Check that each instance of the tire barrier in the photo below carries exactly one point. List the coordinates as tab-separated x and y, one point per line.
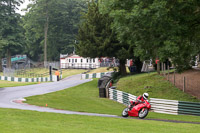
104	84
159	105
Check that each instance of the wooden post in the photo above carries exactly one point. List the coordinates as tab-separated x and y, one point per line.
1	70
174	78
158	67
184	84
168	73
164	69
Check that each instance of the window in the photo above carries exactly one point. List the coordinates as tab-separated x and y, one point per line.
87	60
94	60
75	60
69	60
81	60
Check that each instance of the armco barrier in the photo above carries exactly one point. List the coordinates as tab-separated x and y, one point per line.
93	75
189	108
164	106
120	96
39	79
159	105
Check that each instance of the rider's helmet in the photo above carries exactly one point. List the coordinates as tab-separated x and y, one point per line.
145	96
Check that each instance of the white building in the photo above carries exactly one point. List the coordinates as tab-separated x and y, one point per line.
78	62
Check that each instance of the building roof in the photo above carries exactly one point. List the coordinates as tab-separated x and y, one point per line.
74	56
69	56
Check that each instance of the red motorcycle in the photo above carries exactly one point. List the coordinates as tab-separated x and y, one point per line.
140	110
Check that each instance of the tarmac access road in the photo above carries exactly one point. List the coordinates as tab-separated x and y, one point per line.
13	97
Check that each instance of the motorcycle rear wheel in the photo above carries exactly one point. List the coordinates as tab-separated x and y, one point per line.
125	112
143	113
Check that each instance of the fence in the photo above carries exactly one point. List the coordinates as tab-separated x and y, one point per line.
29	75
87	65
79	65
24	73
53	64
8	72
109	64
187	82
159	105
26	63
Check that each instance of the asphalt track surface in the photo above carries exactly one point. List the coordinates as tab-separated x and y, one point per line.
13	97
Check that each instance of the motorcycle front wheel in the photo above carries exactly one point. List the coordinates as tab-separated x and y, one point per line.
143	113
125	112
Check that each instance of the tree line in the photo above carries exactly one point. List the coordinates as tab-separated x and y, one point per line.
128	29
142	30
47	29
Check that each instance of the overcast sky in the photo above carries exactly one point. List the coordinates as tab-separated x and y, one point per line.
24	5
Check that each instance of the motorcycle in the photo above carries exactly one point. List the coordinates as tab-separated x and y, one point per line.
140	110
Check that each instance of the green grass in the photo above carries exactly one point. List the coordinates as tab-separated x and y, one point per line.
105	69
65	72
38	72
100	70
30	73
18	121
160	116
155	85
4	84
84	98
70	72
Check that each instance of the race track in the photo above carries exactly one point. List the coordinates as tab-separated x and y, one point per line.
12	97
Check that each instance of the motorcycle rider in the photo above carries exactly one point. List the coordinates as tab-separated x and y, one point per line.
140	99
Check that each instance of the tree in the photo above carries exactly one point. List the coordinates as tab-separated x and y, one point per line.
158	28
11	32
52	25
97	39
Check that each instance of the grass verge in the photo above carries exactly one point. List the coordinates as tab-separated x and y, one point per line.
70	72
18	121
4	84
100	70
39	72
84	98
155	85
105	69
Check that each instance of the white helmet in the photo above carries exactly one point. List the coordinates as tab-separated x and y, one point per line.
145	95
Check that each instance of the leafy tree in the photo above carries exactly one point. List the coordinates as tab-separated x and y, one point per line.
158	28
36	24
97	39
52	25
10	32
